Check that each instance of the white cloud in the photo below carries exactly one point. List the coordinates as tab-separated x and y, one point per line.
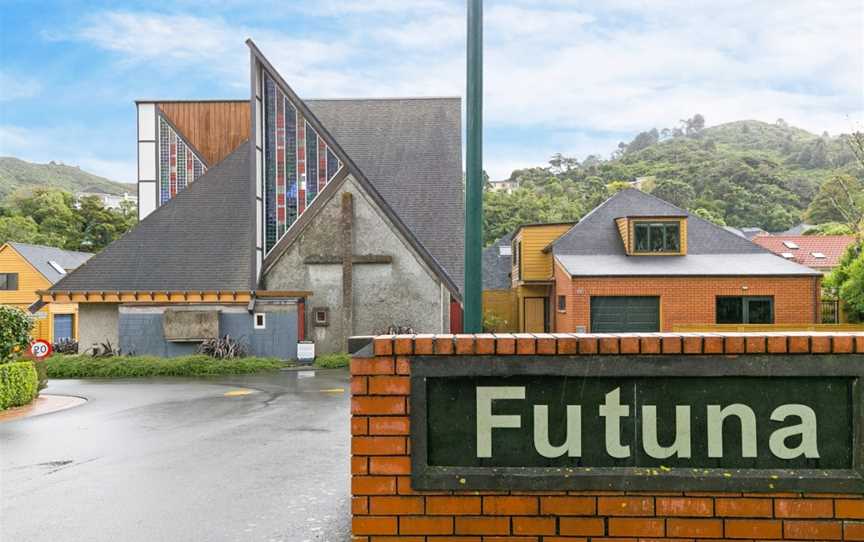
15	87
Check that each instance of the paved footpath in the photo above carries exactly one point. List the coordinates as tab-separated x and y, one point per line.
249	458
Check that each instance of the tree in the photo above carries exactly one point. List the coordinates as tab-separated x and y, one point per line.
839	199
675	192
15	326
643	140
710	216
847	281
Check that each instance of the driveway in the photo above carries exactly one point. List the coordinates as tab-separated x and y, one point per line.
248	458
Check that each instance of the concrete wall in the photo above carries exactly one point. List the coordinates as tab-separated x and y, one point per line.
141	331
403	293
97	323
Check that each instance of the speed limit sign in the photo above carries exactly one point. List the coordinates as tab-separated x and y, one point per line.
40	349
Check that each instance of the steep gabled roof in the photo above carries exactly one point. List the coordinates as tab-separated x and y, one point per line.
832	247
594	247
197	241
496	268
40	257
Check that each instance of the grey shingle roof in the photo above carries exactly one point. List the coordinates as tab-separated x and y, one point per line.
594	247
199	240
411	151
40	257
496	268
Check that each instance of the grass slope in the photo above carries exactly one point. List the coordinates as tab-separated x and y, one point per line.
18	174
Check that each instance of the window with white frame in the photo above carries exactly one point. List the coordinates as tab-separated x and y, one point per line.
260	320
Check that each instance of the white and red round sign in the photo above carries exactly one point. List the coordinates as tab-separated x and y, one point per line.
40	349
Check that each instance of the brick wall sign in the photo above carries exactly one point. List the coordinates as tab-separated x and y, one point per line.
750	423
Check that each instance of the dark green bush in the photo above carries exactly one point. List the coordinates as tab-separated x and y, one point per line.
18	384
333	361
139	366
15	326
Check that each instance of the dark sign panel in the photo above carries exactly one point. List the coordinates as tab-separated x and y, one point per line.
764	423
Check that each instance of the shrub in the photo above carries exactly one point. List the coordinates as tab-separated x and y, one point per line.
66	346
41	373
18	384
224	348
84	366
333	361
15	326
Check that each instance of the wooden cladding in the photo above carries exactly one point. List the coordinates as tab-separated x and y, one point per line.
213	128
530	240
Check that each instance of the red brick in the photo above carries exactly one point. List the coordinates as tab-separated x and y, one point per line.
360	505
546	345
684	506
581	526
567	345
799	344
378	445
743	508
849	508
390	465
383	346
568	506
389	385
423	345
712	344
371	366
444	344
484	344
820	344
692	345
853	530
373	525
510	506
777	345
505	344
456	506
636	527
752	528
808	530
859	344
425	525
359	425
377	405
359	385
529	525
482	525
733	344
650	345
395	506
403	366
403	345
625	506
755	344
525	344
389	425
629	345
804	508
464	344
694	528
359	465
671	345
373	485
842	344
609	345
588	345
565	539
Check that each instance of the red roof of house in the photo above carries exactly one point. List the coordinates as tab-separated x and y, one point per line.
831	246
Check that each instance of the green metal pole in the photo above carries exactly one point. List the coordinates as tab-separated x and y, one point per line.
473	321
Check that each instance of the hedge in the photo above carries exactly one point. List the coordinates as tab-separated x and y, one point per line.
84	366
18	384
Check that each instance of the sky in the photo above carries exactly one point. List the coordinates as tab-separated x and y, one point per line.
567	76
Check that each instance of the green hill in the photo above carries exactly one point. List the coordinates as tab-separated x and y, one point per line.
18	174
743	173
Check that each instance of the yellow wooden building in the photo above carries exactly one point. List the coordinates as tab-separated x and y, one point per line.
26	269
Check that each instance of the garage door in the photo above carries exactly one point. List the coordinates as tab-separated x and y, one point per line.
63	327
625	314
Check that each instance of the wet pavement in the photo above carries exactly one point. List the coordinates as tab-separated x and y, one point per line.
249	458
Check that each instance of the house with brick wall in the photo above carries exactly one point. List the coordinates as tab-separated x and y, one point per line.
637	263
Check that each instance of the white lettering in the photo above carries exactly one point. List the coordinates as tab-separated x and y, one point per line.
486	421
572	445
613	411
681	446
807	430
745	415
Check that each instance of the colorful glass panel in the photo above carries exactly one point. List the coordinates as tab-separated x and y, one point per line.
178	164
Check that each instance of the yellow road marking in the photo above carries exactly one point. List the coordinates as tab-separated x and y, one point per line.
237	393
333	390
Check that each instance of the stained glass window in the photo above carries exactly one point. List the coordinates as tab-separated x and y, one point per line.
178	165
298	164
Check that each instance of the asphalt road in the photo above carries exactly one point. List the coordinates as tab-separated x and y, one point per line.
177	460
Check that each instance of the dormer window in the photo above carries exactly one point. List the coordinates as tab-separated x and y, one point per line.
656	237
